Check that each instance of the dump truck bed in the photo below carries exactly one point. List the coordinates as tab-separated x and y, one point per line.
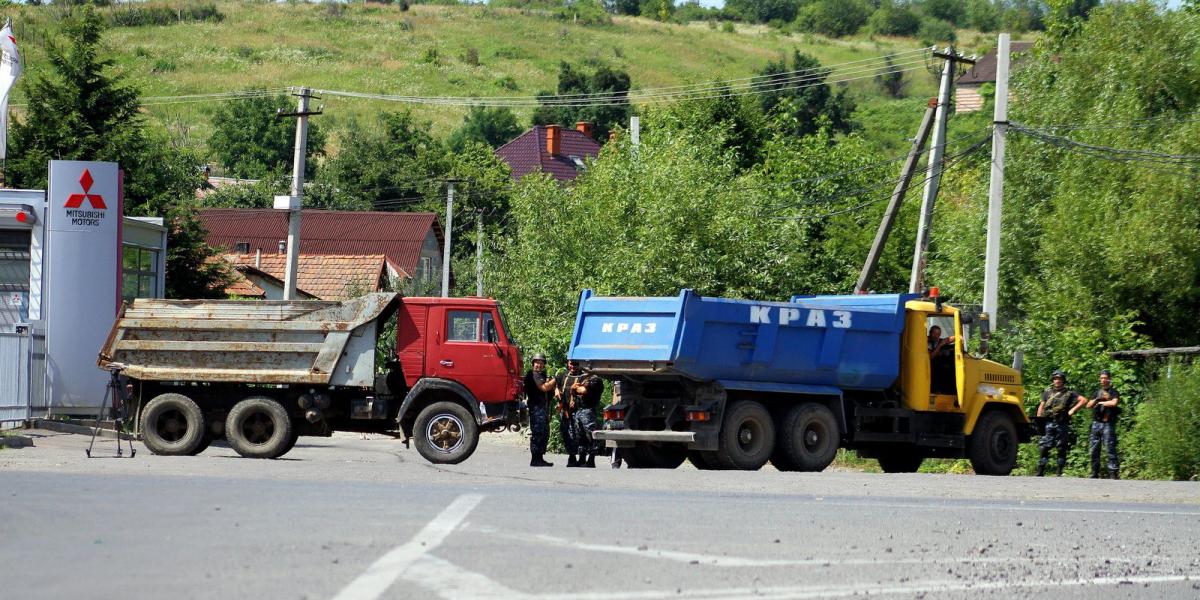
273	341
823	342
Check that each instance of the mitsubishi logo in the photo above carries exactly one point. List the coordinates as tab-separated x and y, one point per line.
76	200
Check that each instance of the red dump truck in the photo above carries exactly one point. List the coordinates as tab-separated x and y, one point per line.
260	374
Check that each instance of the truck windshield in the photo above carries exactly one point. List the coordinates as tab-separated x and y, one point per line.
504	325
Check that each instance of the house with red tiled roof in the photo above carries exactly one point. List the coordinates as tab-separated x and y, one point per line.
550	149
318	276
967	88
410	242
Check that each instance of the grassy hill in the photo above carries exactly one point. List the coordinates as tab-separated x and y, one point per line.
430	50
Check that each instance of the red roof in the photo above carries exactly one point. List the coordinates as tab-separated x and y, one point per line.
398	236
323	276
527	153
984	69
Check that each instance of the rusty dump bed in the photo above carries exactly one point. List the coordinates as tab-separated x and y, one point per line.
273	341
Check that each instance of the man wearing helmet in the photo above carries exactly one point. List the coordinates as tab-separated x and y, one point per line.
1059	403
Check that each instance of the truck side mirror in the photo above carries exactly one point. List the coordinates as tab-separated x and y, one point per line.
490	332
985	333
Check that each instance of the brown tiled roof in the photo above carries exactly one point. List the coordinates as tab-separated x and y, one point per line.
398	236
527	153
984	70
324	276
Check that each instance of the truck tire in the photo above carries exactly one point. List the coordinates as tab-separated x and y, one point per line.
205	441
259	427
172	425
747	437
446	433
704	461
901	459
809	439
646	455
993	445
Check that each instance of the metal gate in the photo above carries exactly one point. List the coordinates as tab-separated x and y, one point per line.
14	375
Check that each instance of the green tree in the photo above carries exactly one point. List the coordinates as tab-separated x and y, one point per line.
834	18
613	83
492	126
252	142
800	100
761	11
80	110
894	19
951	11
394	165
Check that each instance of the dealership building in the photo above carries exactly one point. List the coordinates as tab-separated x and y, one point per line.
69	257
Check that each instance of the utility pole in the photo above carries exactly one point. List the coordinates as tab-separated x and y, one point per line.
479	254
293	202
449	234
991	268
893	208
635	134
934	170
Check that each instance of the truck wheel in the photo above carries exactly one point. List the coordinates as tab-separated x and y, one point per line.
645	455
172	425
810	437
205	441
446	433
704	461
900	459
993	445
258	427
747	437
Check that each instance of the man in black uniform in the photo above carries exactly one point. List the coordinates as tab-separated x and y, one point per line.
1058	404
581	392
941	362
1104	425
537	399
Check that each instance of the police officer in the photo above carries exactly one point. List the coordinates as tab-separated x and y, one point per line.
566	416
537	399
582	393
1059	403
1104	405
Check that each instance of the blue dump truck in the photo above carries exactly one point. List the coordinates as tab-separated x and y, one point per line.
731	384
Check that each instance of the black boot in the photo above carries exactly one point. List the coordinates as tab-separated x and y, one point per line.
1041	470
1060	470
538	461
1095	473
571	462
591	462
1114	474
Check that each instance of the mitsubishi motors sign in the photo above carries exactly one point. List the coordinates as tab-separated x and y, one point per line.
82	280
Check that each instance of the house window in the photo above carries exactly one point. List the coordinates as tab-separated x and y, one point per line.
425	274
139	272
241	248
14	261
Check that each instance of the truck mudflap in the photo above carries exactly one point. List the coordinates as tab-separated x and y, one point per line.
620	438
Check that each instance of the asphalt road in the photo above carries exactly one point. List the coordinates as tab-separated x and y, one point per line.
353	519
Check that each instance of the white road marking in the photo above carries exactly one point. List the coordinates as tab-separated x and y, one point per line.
449	580
391	566
857	589
736	561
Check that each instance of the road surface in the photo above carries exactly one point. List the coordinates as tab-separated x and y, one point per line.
348	518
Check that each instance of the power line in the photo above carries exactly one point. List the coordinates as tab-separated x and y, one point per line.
1126	155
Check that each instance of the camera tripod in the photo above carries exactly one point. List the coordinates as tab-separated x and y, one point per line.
115	400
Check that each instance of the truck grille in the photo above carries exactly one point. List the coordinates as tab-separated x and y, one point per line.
999	378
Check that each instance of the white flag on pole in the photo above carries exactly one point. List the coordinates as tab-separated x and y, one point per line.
10	69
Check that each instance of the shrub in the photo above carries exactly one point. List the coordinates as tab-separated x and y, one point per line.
471	57
936	31
138	15
834	18
508	83
1167	430
890	19
431	56
727	27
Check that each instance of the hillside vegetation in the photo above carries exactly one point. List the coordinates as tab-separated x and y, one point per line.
468	50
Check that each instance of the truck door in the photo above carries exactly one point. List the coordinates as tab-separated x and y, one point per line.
461	352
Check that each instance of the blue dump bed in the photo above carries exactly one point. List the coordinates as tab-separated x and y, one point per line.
844	342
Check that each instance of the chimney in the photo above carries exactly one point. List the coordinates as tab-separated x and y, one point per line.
553	139
258	258
612	135
584	127
282	246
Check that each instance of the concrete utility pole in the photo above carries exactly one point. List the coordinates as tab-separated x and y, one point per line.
893	208
293	202
449	233
934	171
479	254
635	134
991	268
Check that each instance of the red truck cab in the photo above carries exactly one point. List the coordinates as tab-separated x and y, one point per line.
461	373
